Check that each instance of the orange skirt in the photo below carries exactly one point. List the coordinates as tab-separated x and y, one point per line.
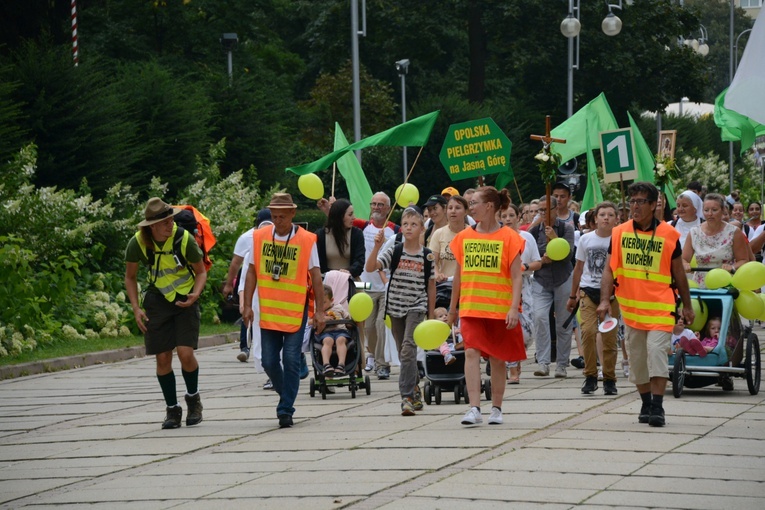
493	339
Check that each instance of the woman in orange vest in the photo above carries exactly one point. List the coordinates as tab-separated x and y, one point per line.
285	263
487	288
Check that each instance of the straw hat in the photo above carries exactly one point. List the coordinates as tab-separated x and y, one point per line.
156	211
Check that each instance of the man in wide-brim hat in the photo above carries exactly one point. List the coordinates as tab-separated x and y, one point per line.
169	318
285	263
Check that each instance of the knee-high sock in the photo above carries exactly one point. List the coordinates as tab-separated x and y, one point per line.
167	383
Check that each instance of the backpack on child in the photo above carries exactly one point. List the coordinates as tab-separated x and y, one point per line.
398	250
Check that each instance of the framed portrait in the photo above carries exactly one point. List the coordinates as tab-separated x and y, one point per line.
667	144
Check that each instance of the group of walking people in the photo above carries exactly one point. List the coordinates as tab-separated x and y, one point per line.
481	253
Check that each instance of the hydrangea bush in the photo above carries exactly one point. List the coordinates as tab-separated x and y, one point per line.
62	251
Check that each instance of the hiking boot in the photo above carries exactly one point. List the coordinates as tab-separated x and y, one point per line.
383	373
173	417
407	407
656	418
285	421
194	410
645	413
542	371
417	399
590	385
609	387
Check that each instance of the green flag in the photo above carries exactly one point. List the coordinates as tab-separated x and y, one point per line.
734	126
592	193
413	133
358	187
504	178
584	127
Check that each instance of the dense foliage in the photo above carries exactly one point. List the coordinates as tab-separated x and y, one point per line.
151	104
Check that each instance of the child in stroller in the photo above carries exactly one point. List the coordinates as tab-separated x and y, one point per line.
334	335
447	348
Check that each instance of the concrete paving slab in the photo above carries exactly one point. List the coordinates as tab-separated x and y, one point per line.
115	505
506	491
571	460
617	441
11	490
703	471
711	459
679	483
614	498
725	446
312	502
425	503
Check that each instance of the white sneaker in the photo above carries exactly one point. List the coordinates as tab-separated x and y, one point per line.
370	364
472	417
560	373
496	416
600	375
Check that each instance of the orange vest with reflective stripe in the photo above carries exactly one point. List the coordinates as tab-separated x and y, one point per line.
282	302
642	270
486	288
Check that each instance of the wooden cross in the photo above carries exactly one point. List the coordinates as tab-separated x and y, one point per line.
546	140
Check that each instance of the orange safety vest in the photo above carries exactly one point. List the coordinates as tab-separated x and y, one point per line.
283	301
642	266
486	287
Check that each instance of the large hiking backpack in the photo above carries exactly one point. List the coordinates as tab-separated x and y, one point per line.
198	225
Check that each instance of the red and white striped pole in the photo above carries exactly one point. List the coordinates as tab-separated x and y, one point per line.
75	48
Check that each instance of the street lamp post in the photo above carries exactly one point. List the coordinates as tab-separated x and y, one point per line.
229	41
402	66
355	33
570	28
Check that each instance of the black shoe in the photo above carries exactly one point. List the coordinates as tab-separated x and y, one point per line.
194	411
590	385
645	413
726	382
656	419
173	417
609	387
578	363
285	421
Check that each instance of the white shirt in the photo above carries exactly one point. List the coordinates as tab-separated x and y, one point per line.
530	251
373	278
593	251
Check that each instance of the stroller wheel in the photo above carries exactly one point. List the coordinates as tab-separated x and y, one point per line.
457	393
324	391
428	396
438	394
312	387
487	388
366	385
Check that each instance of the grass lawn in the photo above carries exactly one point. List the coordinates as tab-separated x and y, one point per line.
62	349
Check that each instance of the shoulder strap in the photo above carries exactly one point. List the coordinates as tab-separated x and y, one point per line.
395	258
428	266
429	231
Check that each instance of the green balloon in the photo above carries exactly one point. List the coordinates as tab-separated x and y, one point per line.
558	249
431	333
749	305
717	279
750	276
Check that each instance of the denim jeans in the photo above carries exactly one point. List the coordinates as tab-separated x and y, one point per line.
543	300
286	380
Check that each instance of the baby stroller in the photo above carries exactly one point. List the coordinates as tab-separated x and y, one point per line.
719	365
441	378
342	285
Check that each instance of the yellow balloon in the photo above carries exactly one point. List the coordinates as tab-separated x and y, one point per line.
701	310
749	306
750	276
431	333
360	307
311	186
692	284
387	321
406	194
717	279
558	249
694	264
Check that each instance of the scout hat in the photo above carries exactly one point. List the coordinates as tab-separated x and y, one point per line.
156	211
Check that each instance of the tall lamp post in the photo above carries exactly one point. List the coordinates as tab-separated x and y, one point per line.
229	41
570	28
402	66
355	33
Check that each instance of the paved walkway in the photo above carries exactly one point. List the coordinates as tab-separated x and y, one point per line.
91	437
